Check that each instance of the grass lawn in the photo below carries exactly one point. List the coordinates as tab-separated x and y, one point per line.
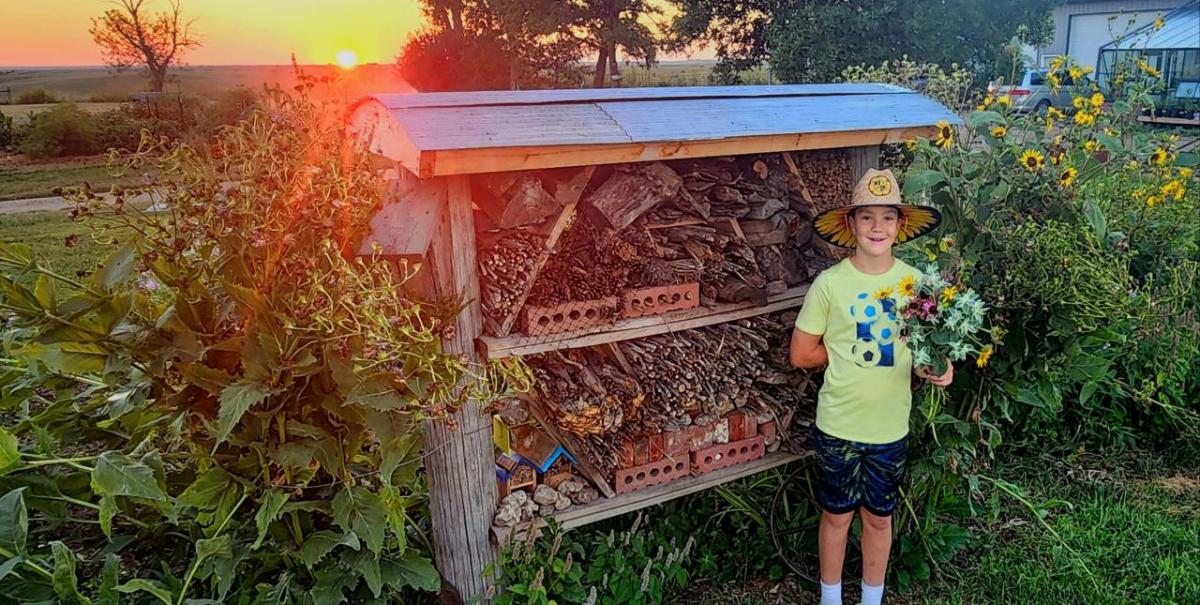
47	232
1133	522
21	182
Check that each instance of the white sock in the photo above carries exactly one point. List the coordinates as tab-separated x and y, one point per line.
872	595
831	594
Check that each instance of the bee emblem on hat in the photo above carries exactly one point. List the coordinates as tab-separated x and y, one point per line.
880	186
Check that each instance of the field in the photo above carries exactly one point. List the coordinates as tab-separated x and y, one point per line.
97	84
20	113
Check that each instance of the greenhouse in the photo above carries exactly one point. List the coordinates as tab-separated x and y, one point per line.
1172	50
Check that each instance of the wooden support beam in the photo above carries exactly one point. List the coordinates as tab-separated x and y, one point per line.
862	159
459	463
500	159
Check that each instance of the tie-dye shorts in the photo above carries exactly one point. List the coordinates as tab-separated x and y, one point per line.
854	475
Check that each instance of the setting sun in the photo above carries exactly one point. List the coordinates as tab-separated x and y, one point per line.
347	59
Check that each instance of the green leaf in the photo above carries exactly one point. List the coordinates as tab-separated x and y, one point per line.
10	452
8	566
376	392
367	564
210	547
205	492
358	510
65	584
405	450
236	399
108	510
110	576
1001	190
980	120
118	475
322	543
1095	217
411	570
117	268
14	521
67	357
269	511
153	587
1110	142
921	180
43	291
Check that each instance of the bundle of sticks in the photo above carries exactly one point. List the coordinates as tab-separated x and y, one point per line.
504	267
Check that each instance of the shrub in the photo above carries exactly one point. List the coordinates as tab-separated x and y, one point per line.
39	96
60	131
8	132
230	409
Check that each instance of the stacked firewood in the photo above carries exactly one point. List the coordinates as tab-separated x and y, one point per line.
504	266
740	226
615	394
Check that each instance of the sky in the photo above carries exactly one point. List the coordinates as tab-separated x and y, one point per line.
233	32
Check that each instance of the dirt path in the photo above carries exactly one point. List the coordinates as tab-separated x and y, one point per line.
50	204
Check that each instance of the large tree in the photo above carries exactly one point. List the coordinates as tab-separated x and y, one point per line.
613	26
129	36
813	40
494	44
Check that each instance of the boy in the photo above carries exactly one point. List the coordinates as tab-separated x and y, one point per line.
848	323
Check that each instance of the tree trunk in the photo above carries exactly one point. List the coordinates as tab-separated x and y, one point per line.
601	64
613	70
158	78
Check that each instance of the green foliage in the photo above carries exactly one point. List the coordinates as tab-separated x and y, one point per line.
1080	233
8	132
634	566
232	402
814	40
60	131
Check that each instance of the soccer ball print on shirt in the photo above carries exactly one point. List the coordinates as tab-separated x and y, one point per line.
876	328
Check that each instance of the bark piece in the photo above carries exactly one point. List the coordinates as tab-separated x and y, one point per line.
632	191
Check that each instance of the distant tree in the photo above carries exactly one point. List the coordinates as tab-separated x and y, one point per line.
813	40
129	36
494	44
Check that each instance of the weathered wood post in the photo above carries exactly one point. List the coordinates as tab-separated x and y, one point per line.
459	463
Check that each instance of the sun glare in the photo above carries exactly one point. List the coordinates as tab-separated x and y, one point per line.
347	59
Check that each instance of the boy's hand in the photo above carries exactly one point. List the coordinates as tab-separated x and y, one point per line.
942	381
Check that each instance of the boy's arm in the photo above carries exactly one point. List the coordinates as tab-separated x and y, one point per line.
807	350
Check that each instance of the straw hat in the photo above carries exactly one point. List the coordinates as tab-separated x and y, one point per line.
876	188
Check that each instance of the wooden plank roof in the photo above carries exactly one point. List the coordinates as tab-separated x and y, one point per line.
435	134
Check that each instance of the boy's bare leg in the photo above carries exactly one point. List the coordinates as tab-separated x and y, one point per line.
876	544
831	538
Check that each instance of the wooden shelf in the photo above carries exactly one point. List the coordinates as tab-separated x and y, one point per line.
626	329
605	508
1166	120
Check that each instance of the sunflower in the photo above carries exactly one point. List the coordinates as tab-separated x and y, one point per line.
1054	113
1079	102
1067	178
1173	189
1144	66
1084	119
910	144
948	294
1159	156
1055	83
1097	99
1032	160
1158	22
907	286
945	135
1185	173
1091	145
884	293
1004	100
999	132
1075	72
1153	201
984	356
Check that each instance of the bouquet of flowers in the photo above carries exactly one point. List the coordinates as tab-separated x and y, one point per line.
941	321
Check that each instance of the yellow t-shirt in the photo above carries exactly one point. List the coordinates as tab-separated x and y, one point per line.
866	396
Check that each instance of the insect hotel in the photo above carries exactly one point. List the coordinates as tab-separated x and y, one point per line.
645	251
